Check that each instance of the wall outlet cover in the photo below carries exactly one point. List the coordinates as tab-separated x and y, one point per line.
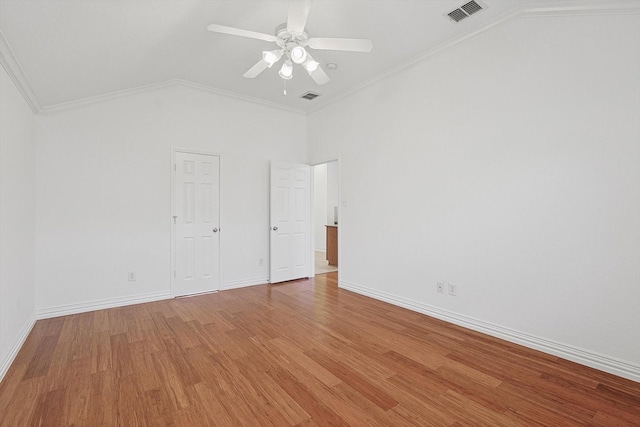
452	289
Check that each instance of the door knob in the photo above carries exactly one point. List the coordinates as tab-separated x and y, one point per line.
215	230
275	228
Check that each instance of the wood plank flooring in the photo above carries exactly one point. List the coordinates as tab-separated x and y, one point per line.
303	353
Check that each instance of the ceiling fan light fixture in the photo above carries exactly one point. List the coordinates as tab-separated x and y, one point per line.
310	65
271	57
286	72
292	40
298	54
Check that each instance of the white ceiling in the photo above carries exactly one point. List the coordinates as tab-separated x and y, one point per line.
71	50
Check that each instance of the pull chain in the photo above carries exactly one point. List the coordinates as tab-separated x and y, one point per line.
285	87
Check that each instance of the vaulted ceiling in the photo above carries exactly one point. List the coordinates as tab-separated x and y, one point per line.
73	50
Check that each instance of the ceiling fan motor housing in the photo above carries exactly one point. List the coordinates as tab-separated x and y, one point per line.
287	40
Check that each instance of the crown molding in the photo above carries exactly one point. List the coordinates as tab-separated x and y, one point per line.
233	95
16	74
580	8
425	56
71	105
541	9
79	103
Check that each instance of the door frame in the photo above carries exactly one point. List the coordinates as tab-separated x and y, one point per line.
313	239
172	255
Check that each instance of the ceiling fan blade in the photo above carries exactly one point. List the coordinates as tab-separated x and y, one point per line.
298	13
256	70
351	45
319	76
240	32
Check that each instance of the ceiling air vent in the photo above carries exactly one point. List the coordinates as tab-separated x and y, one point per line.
465	11
471	8
457	15
309	95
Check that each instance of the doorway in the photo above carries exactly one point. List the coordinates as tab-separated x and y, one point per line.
325	216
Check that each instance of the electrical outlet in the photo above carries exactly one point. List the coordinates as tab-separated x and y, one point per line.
453	289
132	277
260	262
440	287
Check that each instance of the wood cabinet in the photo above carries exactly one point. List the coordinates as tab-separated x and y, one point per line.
332	244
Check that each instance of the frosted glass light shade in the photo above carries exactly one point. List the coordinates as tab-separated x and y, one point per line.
286	72
271	57
298	54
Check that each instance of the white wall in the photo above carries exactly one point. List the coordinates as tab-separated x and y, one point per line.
103	191
332	190
320	206
508	165
17	220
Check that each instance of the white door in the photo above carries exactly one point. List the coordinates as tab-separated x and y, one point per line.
290	221
196	216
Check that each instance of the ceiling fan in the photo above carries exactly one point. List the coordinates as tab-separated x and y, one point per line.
292	41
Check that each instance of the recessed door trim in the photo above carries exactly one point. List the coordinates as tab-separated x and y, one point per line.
340	206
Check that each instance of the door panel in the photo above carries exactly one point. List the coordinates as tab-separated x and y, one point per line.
290	221
196	224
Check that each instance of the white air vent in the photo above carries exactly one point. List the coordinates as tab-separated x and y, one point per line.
465	11
309	96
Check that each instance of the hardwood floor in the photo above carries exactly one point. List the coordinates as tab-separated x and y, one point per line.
299	354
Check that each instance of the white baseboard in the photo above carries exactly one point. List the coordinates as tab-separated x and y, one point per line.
15	348
63	310
584	357
235	284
